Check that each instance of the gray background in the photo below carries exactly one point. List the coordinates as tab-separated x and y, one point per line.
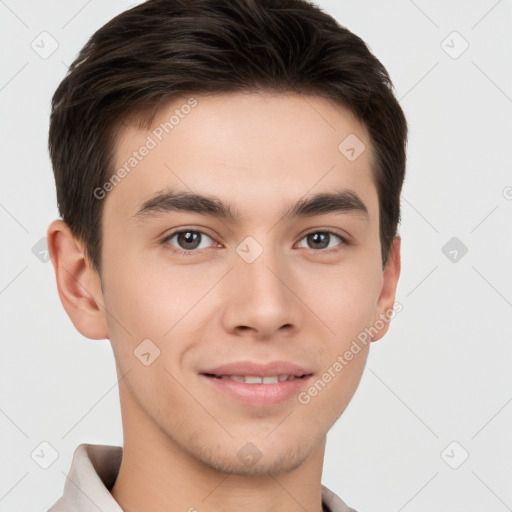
437	388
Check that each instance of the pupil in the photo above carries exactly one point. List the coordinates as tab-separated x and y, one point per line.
188	237
316	236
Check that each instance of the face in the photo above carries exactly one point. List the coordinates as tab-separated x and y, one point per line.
200	306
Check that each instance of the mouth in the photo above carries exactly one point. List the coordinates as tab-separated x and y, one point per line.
254	379
258	384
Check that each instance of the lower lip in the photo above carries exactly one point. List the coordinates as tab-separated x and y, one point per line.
259	394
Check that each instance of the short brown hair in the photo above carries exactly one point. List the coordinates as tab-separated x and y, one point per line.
162	49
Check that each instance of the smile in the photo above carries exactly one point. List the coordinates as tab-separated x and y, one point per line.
258	384
251	379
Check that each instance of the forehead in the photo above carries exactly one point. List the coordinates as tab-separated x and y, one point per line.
252	149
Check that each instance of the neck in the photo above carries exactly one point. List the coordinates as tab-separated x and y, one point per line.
157	475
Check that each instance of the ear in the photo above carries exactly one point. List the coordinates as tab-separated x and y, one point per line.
386	300
78	283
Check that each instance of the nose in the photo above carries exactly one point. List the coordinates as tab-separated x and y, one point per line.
262	299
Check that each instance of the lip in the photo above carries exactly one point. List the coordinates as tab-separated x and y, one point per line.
261	395
251	368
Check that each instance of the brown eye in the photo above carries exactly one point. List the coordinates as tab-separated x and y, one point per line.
187	240
321	240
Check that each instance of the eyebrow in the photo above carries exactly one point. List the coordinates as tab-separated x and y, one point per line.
170	200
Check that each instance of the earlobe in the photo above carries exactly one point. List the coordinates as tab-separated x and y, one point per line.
386	300
78	283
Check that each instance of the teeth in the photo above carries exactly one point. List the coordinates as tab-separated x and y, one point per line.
250	379
253	380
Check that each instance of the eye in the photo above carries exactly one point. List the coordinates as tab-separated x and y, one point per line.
188	241
321	239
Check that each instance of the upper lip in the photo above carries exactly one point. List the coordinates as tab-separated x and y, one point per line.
249	368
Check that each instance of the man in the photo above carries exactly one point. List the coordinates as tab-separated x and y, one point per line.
228	175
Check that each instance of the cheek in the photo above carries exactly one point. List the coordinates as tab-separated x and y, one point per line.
149	300
150	297
332	390
345	299
346	303
131	302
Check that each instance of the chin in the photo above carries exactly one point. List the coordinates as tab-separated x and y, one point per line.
266	466
271	460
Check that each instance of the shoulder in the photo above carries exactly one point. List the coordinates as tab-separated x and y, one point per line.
333	503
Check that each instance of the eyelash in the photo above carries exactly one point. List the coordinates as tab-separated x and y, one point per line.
193	252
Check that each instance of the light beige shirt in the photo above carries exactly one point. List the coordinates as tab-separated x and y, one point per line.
94	471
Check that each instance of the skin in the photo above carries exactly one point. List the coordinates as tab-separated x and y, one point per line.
259	152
